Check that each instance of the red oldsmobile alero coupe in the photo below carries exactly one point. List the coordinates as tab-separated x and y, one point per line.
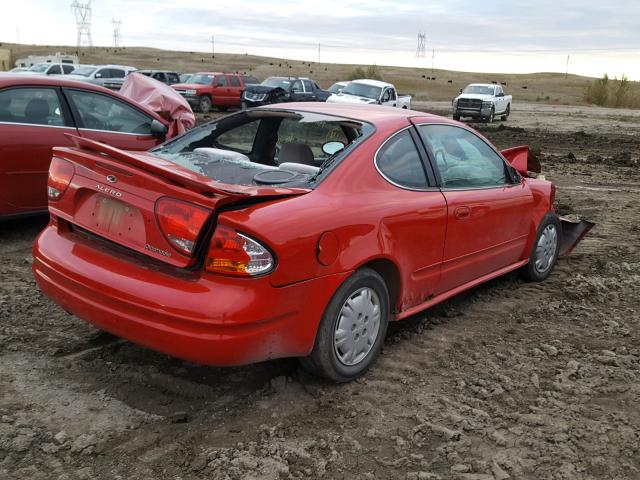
297	230
38	112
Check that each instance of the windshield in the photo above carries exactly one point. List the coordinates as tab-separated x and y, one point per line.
479	89
336	87
40	67
277	82
84	71
202	79
362	90
271	147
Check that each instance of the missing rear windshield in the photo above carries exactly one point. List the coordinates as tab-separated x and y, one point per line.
266	147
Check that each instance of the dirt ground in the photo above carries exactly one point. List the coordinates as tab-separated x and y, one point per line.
510	380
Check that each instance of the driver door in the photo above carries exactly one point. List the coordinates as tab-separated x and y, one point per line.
109	120
297	92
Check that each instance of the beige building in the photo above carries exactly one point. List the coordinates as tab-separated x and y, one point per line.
5	60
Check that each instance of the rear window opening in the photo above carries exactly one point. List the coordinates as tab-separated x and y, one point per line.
266	147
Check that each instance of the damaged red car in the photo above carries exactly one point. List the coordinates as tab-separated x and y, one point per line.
38	113
290	231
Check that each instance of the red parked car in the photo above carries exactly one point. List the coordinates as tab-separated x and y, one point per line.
37	113
300	230
214	89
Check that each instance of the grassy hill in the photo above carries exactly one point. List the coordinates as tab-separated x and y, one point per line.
422	83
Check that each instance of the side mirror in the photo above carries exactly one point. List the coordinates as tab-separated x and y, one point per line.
460	90
158	129
331	148
500	94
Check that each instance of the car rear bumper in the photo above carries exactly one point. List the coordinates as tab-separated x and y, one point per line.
206	318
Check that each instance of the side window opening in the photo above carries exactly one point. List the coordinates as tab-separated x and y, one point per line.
463	159
30	105
101	112
235	81
399	162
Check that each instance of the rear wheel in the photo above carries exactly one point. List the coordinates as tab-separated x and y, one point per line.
204	104
352	328
545	250
506	114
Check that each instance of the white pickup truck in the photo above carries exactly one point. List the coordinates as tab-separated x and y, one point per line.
482	101
371	92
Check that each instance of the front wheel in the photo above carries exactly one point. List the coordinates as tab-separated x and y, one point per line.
544	252
491	116
352	328
204	104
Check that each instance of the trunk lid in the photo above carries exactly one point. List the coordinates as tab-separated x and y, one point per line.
114	195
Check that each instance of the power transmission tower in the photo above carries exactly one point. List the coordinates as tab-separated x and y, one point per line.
83	22
421	50
117	40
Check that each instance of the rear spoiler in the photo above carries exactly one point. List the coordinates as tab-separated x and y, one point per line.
523	160
182	176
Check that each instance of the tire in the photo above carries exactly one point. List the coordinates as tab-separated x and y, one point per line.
204	104
223	109
331	356
544	253
491	116
506	113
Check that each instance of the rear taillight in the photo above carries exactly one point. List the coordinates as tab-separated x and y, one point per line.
181	223
60	174
232	253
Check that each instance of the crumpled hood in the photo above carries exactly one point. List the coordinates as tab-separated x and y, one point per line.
346	98
161	99
260	88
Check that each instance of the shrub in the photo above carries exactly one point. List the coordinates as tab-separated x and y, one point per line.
598	91
372	72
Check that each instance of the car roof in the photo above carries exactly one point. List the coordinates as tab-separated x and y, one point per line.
373	83
18	79
481	85
363	113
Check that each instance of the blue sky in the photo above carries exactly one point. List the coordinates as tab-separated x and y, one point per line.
500	36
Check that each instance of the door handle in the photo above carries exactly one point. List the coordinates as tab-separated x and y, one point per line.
462	212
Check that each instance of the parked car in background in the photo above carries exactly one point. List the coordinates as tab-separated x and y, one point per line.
36	113
186	77
164	76
108	76
228	250
283	89
214	89
337	87
482	101
51	68
371	92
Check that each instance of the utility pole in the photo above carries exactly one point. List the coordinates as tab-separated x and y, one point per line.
318	53
213	46
567	71
433	58
18	34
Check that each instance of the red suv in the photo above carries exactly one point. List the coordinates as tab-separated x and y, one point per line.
207	89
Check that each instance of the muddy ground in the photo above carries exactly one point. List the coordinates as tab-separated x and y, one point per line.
510	380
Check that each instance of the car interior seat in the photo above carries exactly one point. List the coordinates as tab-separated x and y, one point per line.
37	111
296	153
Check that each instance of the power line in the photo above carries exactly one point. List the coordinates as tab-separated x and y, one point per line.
82	13
421	48
117	41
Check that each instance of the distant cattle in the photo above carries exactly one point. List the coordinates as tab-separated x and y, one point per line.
449	81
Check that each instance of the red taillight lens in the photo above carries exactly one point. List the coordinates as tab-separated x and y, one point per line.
181	223
60	174
232	253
